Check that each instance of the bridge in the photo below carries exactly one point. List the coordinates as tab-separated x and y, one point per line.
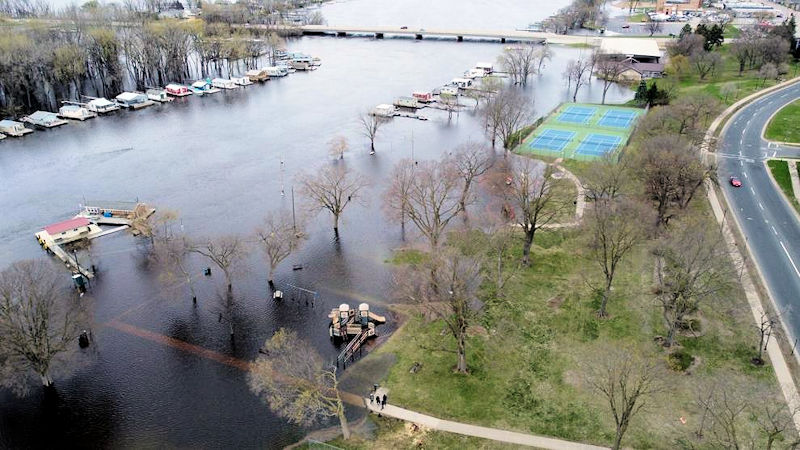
459	34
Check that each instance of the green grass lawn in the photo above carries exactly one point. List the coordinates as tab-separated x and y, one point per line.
745	83
780	172
527	359
785	126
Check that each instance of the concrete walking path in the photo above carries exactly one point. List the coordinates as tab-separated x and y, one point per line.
795	178
494	434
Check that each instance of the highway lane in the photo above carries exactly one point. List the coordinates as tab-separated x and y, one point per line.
770	226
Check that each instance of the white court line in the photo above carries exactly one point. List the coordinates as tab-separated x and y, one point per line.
790	259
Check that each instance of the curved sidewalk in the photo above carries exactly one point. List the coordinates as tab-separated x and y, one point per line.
494	434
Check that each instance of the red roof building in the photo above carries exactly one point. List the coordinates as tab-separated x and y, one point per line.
72	224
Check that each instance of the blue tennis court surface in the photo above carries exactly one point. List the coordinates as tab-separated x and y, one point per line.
552	140
577	114
617	119
598	144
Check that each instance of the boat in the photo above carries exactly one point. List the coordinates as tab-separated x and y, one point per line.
486	67
471	74
12	128
423	97
101	105
223	83
448	90
133	100
384	110
277	71
316	61
407	102
284	65
44	119
2	136
158	95
257	75
177	90
301	64
204	87
461	82
241	81
75	112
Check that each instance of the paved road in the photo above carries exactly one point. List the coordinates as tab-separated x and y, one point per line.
769	223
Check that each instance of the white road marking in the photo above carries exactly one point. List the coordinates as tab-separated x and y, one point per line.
741	163
760	206
774	230
745	175
752	190
790	259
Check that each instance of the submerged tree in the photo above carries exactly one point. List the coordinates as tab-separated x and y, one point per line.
40	321
505	114
470	160
293	379
279	237
370	125
226	252
333	188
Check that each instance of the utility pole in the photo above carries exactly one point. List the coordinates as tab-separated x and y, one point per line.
294	220
282	192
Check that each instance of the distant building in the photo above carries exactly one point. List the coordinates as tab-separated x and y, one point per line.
637	71
674	6
623	49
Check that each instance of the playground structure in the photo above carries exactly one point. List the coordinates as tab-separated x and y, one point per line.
354	326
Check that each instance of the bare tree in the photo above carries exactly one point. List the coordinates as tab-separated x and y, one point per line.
693	268
653	27
615	227
607	177
371	124
627	382
396	196
522	61
536	199
337	146
705	62
171	252
279	237
226	252
672	173
506	113
609	71
728	90
449	102
446	284
427	194
40	321
767	72
333	188
292	378
578	73
471	160
767	325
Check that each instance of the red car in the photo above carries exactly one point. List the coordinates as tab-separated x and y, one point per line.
735	182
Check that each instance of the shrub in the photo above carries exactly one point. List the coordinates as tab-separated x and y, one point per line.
680	360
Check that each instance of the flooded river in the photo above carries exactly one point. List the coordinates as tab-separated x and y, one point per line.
217	160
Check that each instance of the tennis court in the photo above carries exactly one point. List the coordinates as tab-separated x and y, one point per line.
552	140
617	118
598	144
582	131
577	114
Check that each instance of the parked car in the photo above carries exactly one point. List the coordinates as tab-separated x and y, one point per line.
403	28
735	182
626	26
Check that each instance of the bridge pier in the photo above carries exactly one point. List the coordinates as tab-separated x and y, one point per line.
341	34
502	40
378	35
418	37
460	38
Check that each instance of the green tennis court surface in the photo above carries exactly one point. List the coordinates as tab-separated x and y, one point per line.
582	131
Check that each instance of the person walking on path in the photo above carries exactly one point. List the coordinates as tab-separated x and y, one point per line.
383	401
371	397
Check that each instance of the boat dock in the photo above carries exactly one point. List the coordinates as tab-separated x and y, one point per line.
86	225
410	115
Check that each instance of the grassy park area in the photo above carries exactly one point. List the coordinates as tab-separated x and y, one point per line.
528	358
780	173
784	125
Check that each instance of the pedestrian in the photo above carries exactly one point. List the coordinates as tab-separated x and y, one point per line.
383	401
371	397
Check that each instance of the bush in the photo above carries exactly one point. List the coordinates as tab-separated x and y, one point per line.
680	360
692	324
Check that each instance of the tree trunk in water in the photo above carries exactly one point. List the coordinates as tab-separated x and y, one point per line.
372	146
336	224
46	380
343	423
462	354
